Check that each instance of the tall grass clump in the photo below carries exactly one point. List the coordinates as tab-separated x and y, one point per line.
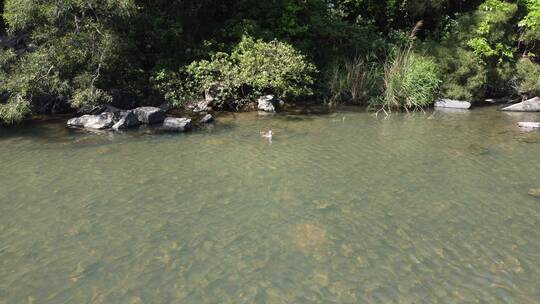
14	110
355	81
411	81
527	79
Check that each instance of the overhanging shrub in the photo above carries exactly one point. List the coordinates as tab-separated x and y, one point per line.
254	68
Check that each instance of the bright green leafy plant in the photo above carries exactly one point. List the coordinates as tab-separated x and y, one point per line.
254	68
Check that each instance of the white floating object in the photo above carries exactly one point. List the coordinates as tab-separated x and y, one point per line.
268	134
530	125
497	100
453	104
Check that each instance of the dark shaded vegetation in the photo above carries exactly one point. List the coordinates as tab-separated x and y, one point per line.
65	55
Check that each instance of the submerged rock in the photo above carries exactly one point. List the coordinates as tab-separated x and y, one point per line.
208	118
149	115
309	235
126	120
476	149
531	105
269	103
177	124
98	122
529	125
535	192
454	104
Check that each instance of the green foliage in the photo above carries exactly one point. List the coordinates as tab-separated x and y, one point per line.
254	68
528	78
90	52
14	110
355	81
464	74
492	36
273	67
73	49
391	15
530	24
88	97
177	88
411	82
478	51
221	74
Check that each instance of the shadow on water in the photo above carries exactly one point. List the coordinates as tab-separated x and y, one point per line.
39	128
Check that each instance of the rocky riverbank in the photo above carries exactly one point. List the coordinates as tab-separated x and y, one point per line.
116	120
199	113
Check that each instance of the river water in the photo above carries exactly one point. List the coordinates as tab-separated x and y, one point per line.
342	207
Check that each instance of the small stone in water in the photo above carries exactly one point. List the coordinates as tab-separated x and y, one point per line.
477	150
535	192
321	205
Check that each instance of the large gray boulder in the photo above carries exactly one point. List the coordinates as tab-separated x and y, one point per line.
453	104
97	122
531	105
149	115
126	120
529	125
177	124
269	103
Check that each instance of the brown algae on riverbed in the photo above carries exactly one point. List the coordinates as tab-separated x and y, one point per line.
309	235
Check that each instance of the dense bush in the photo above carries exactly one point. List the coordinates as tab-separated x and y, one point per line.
530	25
138	52
14	111
273	67
477	52
528	78
176	87
355	81
254	68
492	38
411	82
464	75
72	50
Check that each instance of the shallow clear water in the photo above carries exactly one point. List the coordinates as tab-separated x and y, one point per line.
340	208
